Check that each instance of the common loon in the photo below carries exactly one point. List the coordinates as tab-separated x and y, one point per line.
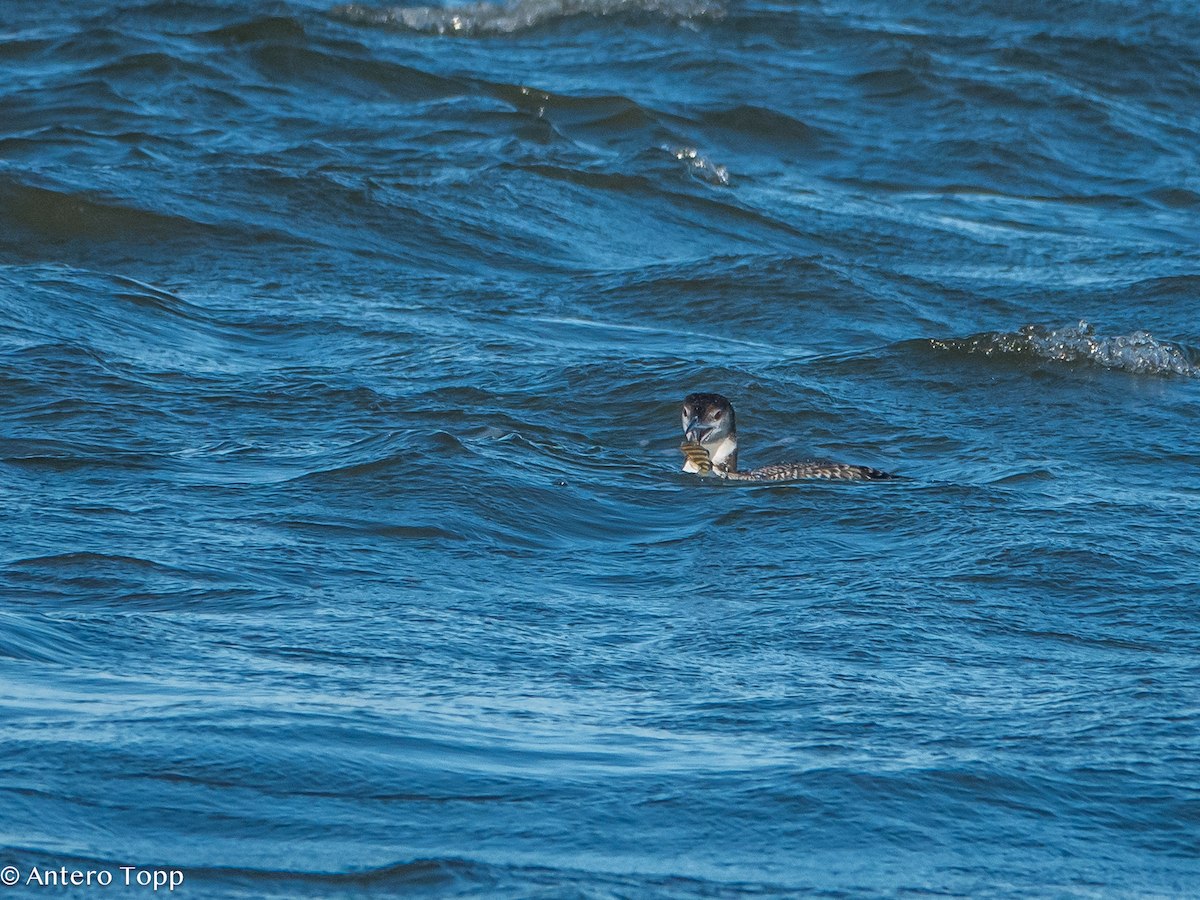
710	445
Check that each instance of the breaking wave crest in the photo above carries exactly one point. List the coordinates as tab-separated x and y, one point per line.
1138	352
700	166
475	19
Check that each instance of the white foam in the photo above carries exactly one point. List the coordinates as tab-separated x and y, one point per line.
699	165
475	19
1137	352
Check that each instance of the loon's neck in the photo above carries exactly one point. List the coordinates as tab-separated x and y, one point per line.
724	453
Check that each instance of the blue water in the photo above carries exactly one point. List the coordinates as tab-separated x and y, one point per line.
345	548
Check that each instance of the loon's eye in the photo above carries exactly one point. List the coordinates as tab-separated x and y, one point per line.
687	411
717	416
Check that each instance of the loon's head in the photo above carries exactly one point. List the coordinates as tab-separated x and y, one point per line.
708	420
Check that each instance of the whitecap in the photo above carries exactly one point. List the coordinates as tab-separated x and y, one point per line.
1138	352
700	166
475	19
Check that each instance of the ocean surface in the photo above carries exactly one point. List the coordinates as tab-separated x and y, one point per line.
344	547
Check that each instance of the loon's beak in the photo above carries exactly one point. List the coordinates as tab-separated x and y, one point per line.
696	432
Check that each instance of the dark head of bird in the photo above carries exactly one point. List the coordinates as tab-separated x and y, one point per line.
708	418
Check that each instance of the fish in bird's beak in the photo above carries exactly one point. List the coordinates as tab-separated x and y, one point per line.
697	456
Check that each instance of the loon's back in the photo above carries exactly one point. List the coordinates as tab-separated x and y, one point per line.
830	471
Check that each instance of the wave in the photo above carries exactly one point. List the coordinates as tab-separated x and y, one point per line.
476	19
1137	352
